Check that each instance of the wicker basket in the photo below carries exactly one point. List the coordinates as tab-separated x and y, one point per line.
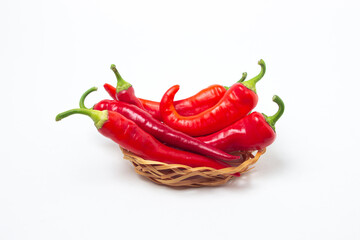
177	175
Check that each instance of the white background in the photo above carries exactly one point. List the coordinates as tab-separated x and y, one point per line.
63	180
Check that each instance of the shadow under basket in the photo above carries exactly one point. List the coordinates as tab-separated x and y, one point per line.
177	175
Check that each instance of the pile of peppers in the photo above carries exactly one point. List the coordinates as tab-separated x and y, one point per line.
207	129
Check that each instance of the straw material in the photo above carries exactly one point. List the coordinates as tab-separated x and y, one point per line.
177	175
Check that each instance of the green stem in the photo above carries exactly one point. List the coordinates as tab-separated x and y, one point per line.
82	99
244	75
252	82
121	83
99	117
274	118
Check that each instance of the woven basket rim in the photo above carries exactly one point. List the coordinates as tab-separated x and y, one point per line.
178	175
227	170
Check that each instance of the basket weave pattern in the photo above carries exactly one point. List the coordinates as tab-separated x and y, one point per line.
177	175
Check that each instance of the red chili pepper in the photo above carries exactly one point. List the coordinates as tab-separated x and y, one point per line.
124	90
152	108
193	105
111	90
129	136
236	103
157	129
253	132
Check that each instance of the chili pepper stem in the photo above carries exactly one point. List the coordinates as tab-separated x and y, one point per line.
121	83
82	99
274	118
243	77
99	117
252	82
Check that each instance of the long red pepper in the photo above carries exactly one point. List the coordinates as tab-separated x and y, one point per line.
157	129
236	103
193	105
124	90
129	136
253	132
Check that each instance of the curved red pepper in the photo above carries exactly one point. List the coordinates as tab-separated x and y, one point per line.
201	101
124	90
193	105
236	103
253	132
157	129
129	136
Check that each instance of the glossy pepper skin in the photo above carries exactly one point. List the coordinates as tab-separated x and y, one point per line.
253	132
193	105
129	136
236	103
124	91
157	129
